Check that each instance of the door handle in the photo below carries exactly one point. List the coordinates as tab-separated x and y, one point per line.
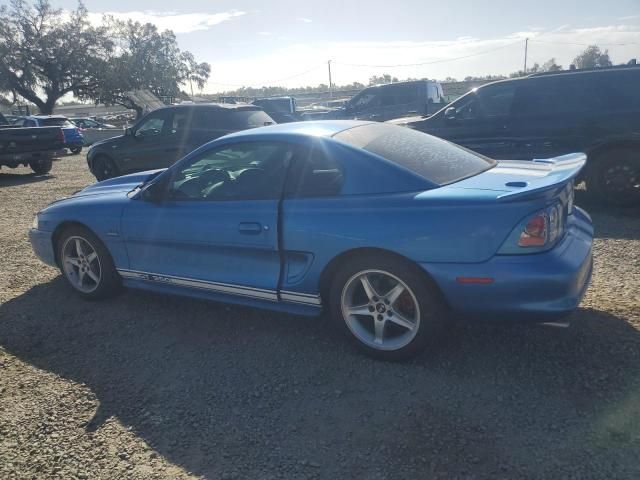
250	228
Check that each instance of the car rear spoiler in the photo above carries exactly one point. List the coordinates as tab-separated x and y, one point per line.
543	176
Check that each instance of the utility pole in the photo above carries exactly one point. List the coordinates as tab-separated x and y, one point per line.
526	45
330	89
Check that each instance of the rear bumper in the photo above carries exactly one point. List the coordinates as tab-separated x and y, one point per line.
536	287
42	246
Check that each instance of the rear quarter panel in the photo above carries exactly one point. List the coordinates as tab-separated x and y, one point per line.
430	227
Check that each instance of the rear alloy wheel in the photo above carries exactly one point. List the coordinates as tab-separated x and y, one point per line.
386	307
614	176
75	150
104	168
86	264
42	166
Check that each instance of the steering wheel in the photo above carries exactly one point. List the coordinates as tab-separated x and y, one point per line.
212	177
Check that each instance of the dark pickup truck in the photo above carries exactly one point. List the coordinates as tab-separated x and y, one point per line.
33	147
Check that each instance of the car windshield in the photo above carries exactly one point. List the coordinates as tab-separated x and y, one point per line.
434	159
242	119
56	122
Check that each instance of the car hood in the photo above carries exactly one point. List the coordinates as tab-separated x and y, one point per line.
107	141
123	184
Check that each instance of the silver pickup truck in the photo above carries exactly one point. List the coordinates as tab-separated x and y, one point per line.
33	147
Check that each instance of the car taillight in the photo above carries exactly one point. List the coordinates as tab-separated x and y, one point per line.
535	231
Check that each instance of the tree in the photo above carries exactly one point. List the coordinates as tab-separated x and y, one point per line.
550	66
592	57
45	54
379	80
146	59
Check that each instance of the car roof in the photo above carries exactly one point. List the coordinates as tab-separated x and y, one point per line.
217	106
408	82
44	117
319	128
564	73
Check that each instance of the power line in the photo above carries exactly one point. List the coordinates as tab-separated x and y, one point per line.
431	62
587	44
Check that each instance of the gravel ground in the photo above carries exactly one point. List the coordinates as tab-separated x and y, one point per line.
147	386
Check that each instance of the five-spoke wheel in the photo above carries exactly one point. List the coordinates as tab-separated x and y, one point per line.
380	309
385	305
81	264
86	263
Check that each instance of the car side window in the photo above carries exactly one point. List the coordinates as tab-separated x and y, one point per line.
152	126
315	173
468	109
181	120
497	100
239	171
366	100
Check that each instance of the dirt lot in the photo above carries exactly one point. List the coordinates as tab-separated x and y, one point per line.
147	386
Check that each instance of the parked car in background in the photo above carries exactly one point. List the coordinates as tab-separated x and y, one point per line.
94	131
545	115
90	123
14	119
73	139
34	147
307	215
384	102
281	109
167	134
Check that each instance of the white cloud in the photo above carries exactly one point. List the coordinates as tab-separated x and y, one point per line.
266	34
306	64
178	22
305	20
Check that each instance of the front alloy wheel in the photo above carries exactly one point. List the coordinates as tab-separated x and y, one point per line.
86	263
81	264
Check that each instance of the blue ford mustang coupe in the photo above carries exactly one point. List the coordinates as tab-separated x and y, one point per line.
389	229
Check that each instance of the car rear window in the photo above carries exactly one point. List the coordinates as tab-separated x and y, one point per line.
242	119
436	160
56	122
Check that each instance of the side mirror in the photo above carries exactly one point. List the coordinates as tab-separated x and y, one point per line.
128	132
450	114
155	193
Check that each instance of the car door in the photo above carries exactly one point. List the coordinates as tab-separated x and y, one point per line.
211	222
401	100
366	105
480	121
556	115
151	144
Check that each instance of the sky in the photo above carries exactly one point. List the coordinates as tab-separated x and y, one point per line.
288	43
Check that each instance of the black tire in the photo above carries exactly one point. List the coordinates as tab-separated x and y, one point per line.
75	150
104	168
431	308
42	166
109	280
613	176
